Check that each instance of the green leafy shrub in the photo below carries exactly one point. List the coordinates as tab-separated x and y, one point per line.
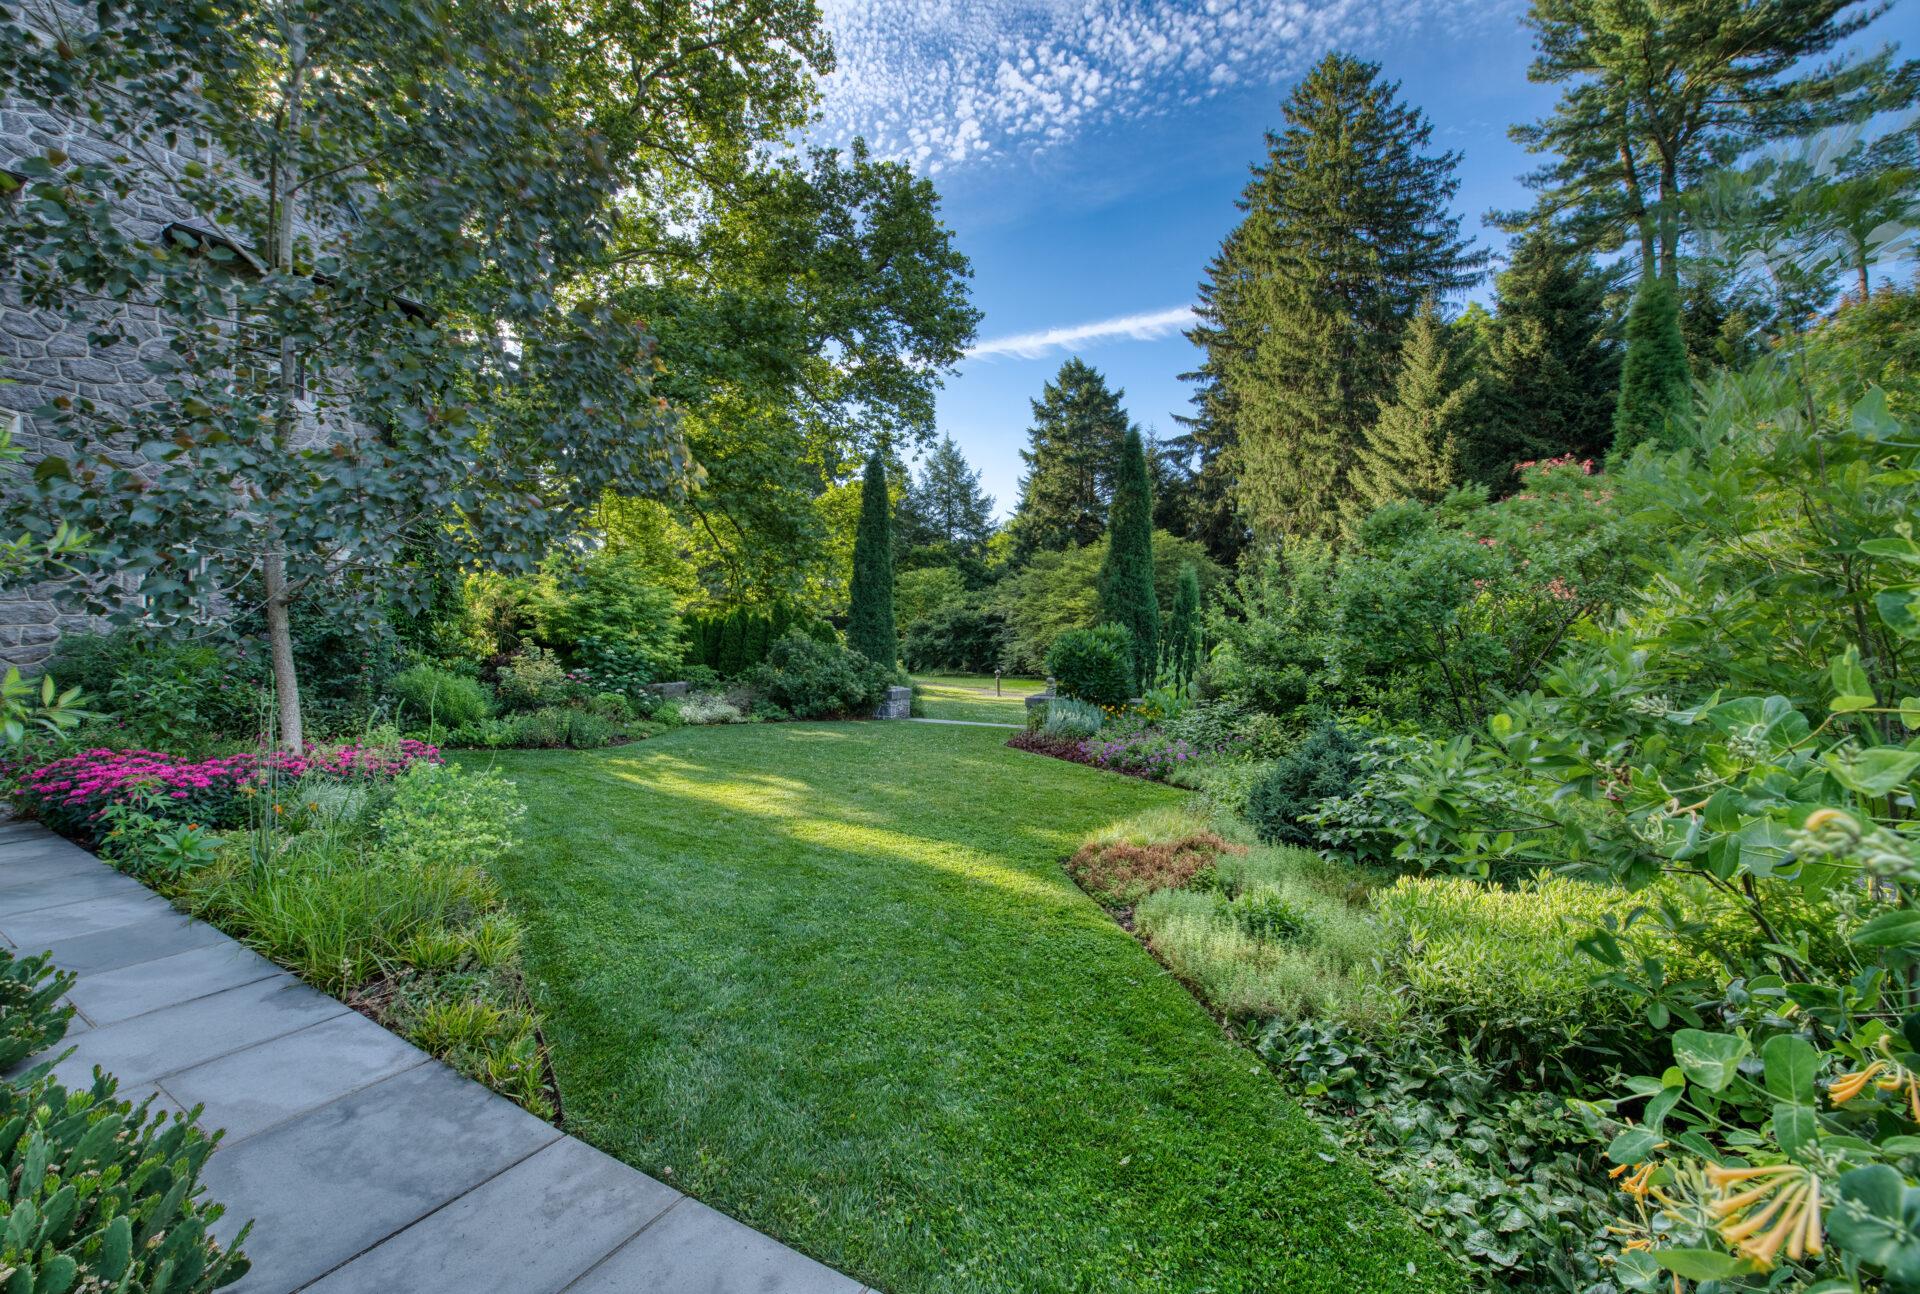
101	1194
1323	766
1094	665
587	730
1070	720
31	1016
428	694
1265	914
535	679
442	814
607	612
957	636
616	706
812	680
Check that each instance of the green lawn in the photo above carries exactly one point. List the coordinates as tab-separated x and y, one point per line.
971	696
831	979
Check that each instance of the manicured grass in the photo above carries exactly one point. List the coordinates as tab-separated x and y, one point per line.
831	979
971	696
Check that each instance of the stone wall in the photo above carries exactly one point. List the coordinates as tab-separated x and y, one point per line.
47	355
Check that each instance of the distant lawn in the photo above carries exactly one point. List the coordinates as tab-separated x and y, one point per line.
971	696
831	979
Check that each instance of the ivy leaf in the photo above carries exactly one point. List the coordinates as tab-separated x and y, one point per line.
1709	1059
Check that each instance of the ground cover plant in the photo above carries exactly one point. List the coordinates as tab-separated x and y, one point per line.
101	1194
894	1034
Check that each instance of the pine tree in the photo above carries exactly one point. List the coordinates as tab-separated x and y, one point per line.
1550	373
1347	227
1126	575
870	628
946	503
1412	451
1078	430
1181	651
1655	96
1655	390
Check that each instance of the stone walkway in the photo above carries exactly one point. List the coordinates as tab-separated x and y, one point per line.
969	723
365	1164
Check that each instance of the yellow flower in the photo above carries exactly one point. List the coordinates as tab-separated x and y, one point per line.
1778	1207
1821	817
1639	1183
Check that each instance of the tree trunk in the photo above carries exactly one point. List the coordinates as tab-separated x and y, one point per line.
1864	291
286	682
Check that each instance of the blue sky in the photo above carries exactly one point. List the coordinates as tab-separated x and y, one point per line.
1088	154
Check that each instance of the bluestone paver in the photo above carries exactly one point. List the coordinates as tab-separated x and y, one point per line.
695	1250
107	996
161	935
339	1180
545	1221
252	1090
162	1042
39	928
365	1164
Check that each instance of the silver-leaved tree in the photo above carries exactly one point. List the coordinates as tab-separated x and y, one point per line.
376	328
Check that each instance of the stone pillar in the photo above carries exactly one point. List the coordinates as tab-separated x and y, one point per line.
897	704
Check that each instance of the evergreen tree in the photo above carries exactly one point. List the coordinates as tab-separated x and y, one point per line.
1550	373
1075	448
1126	576
731	657
1412	451
1347	229
1181	651
870	629
1655	389
1657	95
946	504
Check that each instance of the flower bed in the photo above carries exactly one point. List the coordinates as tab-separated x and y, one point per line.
1143	752
71	794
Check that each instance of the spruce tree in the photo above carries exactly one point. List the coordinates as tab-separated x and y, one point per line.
1076	440
1656	96
1412	451
1550	372
1655	389
1347	228
870	628
1181	651
1126	575
946	503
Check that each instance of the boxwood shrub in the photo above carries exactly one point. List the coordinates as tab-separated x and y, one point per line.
1094	665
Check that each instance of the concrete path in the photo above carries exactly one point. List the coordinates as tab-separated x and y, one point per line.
969	723
365	1164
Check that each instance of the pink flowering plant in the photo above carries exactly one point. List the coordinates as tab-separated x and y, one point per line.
72	795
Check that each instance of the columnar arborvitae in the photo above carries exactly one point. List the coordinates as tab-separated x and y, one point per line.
1348	226
1126	575
1655	388
1412	451
870	628
1181	650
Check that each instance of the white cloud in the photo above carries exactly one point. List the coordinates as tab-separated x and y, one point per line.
1134	327
946	82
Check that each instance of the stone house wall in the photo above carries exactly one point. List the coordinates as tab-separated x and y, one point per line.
46	355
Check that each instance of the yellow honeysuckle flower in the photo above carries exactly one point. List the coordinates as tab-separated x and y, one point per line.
1779	1210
